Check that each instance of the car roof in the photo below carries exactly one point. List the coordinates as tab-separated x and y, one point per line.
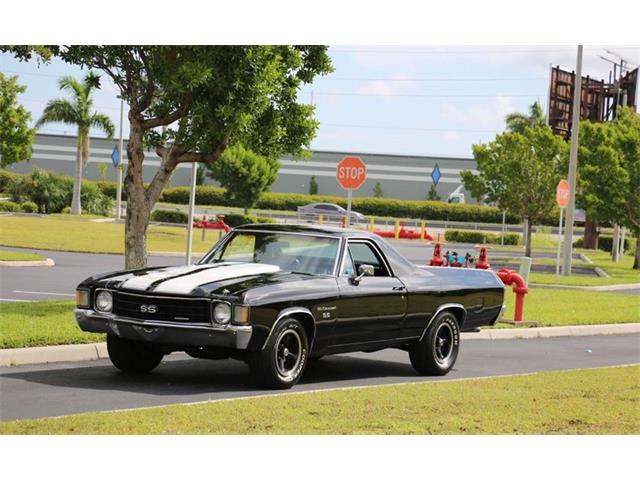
295	228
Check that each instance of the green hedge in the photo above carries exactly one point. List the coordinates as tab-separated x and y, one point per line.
234	220
605	242
7	206
169	216
471	236
381	207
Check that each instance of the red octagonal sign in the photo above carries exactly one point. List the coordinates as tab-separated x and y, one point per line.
351	173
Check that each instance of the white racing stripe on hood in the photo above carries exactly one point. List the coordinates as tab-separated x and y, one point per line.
184	285
142	282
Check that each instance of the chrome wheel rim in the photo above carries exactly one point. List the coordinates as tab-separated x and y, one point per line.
443	344
288	353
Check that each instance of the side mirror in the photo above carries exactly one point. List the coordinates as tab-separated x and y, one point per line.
363	271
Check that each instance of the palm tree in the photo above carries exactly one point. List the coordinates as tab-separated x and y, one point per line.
517	122
77	111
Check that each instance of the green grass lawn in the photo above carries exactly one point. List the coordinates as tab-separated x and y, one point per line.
598	401
33	324
75	234
619	273
52	322
556	307
7	255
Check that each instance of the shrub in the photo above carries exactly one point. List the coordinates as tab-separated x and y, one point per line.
605	243
471	236
29	207
169	216
51	193
234	220
66	210
93	200
6	178
7	206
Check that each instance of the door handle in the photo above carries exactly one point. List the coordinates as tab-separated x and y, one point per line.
399	289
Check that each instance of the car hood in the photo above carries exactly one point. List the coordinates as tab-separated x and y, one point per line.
226	278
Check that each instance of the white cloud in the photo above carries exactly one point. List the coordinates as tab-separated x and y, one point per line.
481	116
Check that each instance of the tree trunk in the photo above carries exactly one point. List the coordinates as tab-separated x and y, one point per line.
138	211
590	234
636	261
527	250
76	206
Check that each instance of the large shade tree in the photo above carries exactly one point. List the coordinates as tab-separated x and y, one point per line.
207	97
78	111
15	135
519	171
609	172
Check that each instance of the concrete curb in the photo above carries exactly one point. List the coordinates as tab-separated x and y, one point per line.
35	263
98	351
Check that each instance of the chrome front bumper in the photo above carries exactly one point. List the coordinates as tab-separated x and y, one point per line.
164	333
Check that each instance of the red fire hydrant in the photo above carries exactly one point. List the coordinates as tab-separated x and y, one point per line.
437	260
510	277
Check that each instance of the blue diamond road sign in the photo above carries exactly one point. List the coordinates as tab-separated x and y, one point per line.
435	175
115	156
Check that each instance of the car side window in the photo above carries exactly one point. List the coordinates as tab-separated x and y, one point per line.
363	253
348	269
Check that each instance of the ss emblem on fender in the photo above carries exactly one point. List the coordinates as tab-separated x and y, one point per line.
148	308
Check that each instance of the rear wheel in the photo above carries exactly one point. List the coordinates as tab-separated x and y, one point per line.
437	350
282	361
131	356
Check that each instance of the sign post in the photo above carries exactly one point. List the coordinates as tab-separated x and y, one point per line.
351	173
562	198
119	166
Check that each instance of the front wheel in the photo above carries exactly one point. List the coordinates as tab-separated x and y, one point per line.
282	361
131	356
437	350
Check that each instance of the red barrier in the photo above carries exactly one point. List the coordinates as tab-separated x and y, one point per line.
217	225
510	277
403	233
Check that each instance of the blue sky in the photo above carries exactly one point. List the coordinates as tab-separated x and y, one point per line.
383	99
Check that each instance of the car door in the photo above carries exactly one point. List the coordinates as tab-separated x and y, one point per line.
372	309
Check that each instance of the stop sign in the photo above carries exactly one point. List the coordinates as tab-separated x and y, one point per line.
351	173
562	193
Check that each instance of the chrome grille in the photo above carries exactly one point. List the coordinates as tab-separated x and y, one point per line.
169	309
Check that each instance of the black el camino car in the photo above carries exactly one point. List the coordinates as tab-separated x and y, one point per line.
277	296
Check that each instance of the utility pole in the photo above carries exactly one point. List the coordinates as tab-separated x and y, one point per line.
120	143
573	167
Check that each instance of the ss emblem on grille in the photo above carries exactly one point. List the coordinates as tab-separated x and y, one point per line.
148	308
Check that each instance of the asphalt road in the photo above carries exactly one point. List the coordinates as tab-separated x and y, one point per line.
60	281
60	389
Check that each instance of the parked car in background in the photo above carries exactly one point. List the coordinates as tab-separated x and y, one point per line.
330	211
276	296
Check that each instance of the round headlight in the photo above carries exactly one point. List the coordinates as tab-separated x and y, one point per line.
104	301
222	313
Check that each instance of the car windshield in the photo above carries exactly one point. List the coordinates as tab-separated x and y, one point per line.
291	252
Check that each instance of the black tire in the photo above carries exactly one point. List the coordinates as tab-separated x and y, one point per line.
281	363
131	356
437	350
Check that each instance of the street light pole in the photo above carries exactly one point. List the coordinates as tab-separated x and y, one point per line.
119	168
192	202
573	166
